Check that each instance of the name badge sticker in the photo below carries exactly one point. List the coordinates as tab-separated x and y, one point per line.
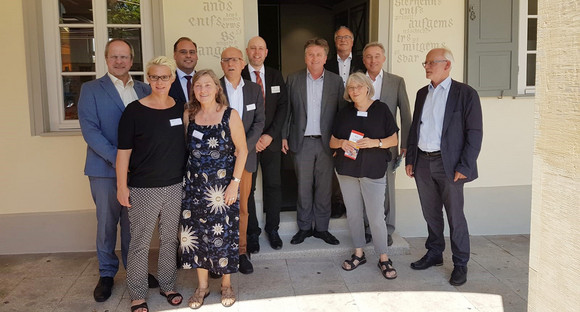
250	107
275	89
198	135
175	122
362	114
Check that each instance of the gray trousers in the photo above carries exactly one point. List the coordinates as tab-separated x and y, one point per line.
360	194
313	165
390	211
149	204
436	191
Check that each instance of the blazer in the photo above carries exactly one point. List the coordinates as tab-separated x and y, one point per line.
100	109
276	105
356	64
252	119
394	94
462	131
176	91
332	102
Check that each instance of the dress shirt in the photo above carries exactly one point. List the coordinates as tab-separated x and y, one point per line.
236	96
344	67
262	75
126	91
183	81
314	103
431	126
377	84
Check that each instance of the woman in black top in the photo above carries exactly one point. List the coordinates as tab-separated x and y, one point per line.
363	133
150	166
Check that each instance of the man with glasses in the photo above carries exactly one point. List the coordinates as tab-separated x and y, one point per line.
442	148
245	97
101	104
389	89
343	64
185	55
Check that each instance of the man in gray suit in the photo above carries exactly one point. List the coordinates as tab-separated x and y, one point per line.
314	98
101	104
246	98
389	89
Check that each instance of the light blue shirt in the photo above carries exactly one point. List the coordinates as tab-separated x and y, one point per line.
314	103
431	126
183	81
236	96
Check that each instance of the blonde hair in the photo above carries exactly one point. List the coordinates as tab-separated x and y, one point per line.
162	61
361	78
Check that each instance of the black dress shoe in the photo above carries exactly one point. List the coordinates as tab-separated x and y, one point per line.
253	243
153	282
427	262
300	236
368	238
275	240
103	290
389	240
326	237
246	266
458	276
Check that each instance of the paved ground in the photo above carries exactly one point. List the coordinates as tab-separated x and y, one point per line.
497	281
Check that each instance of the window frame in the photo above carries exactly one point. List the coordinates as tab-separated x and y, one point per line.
523	88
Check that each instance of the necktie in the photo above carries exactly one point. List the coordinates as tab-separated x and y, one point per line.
259	82
188	86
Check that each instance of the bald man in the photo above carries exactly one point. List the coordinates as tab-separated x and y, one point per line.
269	146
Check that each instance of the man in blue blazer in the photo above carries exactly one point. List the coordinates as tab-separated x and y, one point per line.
442	148
315	96
101	103
245	97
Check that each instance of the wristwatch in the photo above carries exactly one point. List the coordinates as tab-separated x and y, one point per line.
236	179
380	143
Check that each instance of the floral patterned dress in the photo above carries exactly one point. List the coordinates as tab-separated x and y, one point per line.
209	227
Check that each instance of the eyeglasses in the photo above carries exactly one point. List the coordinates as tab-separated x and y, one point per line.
233	59
347	37
155	78
119	57
357	88
425	64
186	52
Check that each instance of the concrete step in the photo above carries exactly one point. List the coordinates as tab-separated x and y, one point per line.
314	247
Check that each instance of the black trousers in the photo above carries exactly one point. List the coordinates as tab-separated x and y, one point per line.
270	161
436	191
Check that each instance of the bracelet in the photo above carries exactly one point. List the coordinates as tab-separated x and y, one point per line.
236	179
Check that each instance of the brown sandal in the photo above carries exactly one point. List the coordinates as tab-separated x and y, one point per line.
196	301
228	296
388	268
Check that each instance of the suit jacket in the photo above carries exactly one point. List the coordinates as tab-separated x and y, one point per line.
462	131
176	92
394	94
332	102
276	105
253	119
356	64
100	108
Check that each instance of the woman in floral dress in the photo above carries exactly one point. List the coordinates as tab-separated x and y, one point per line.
217	150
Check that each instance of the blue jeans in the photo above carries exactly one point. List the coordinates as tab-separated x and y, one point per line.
109	214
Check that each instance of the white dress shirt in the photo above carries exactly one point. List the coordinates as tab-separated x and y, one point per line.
262	75
344	67
126	91
236	96
377	84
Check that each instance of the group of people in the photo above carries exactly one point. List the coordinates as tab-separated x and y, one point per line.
184	150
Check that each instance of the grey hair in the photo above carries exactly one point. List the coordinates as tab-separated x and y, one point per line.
363	80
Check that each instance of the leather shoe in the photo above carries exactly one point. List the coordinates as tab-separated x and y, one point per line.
246	266
389	240
326	237
103	290
253	243
275	240
300	236
458	276
427	262
153	282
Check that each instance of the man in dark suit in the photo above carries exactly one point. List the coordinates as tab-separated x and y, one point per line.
314	98
245	97
389	89
442	148
101	104
185	55
269	145
342	64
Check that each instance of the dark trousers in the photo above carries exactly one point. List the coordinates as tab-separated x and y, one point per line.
271	189
436	191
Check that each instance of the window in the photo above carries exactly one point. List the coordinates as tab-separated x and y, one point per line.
74	34
527	47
